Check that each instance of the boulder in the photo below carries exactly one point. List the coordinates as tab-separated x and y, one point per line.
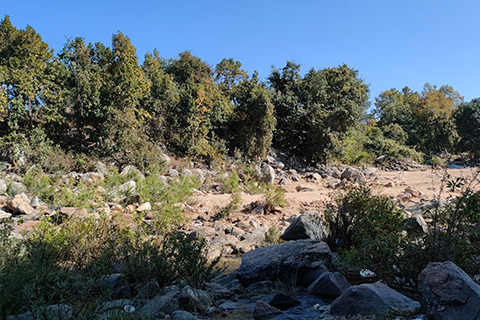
447	292
309	225
172	172
167	302
59	312
283	261
194	300
264	311
329	284
415	224
373	299
267	174
183	315
283	302
128	187
149	290
132	170
17	188
24	208
353	175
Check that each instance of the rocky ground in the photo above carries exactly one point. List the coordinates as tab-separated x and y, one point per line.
307	290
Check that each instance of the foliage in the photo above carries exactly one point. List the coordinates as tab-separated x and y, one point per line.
467	119
235	200
453	233
365	229
312	110
364	143
425	118
68	263
253	122
274	197
272	236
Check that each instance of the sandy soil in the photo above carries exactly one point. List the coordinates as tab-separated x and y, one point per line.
315	194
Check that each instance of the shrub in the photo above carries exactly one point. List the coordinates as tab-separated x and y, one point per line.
274	197
272	236
365	230
67	263
453	233
235	200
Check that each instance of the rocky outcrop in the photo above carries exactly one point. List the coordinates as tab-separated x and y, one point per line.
448	292
373	299
283	261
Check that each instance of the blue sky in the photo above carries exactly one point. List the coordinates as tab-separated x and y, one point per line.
391	43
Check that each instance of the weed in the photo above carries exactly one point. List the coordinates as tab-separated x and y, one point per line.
65	264
274	197
235	200
272	236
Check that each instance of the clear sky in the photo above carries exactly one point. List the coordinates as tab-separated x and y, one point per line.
392	43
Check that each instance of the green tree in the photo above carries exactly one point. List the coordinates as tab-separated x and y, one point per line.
425	117
434	117
467	119
127	87
81	76
162	98
253	121
24	63
202	111
312	110
229	74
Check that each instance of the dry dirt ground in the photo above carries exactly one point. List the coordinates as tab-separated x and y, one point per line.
315	195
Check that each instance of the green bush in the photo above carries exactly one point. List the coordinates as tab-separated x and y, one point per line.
274	197
67	263
366	230
453	234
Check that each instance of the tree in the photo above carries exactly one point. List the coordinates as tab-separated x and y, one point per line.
425	117
81	75
162	98
434	117
467	119
229	74
202	111
313	109
397	108
253	120
24	61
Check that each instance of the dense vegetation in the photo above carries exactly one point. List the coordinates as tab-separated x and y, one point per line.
95	100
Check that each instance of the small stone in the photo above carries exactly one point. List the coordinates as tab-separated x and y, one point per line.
4	215
35	202
3	186
17	188
144	207
24	208
68	211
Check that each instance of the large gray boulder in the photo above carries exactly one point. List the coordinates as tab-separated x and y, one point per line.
286	261
353	175
373	299
309	225
330	284
267	174
448	292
